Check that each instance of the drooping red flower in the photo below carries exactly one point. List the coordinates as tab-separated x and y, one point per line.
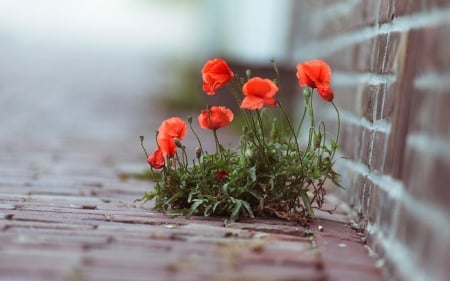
215	118
156	159
169	130
215	74
221	175
259	92
316	74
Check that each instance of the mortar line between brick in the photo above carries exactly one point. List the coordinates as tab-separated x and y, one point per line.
438	146
331	11
376	125
396	252
322	48
432	214
353	78
433	81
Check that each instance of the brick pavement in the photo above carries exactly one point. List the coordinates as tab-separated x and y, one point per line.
66	214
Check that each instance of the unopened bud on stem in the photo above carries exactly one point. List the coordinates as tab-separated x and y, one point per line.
178	143
198	152
307	93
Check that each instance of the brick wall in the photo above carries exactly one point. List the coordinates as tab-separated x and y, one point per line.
391	63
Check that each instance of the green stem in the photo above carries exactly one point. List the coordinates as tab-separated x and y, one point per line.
185	158
218	147
311	112
300	125
338	127
196	136
261	126
294	134
277	72
311	118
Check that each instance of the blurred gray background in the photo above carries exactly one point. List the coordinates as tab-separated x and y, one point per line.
97	68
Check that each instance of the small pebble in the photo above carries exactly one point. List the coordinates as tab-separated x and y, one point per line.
170	226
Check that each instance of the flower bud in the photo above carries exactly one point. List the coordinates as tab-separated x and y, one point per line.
317	140
198	152
307	92
248	73
178	143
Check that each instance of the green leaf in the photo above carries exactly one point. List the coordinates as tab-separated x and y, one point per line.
225	188
337	183
194	207
252	173
248	208
237	208
208	210
215	206
333	144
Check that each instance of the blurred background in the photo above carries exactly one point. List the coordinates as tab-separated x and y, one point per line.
112	69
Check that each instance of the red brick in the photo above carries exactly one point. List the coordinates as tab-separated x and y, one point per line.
425	241
378	53
434	40
351	140
387	102
381	209
370	102
346	97
426	177
429	112
365	150
386	13
354	58
408	7
390	56
359	16
378	151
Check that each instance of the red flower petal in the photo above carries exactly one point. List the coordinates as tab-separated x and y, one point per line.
221	174
215	74
252	103
215	118
170	128
326	93
156	159
259	92
316	74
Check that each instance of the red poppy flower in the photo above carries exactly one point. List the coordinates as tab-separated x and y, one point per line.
316	74
215	74
259	92
156	159
170	128
216	117
221	174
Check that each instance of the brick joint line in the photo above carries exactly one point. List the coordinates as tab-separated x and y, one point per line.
422	210
322	48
